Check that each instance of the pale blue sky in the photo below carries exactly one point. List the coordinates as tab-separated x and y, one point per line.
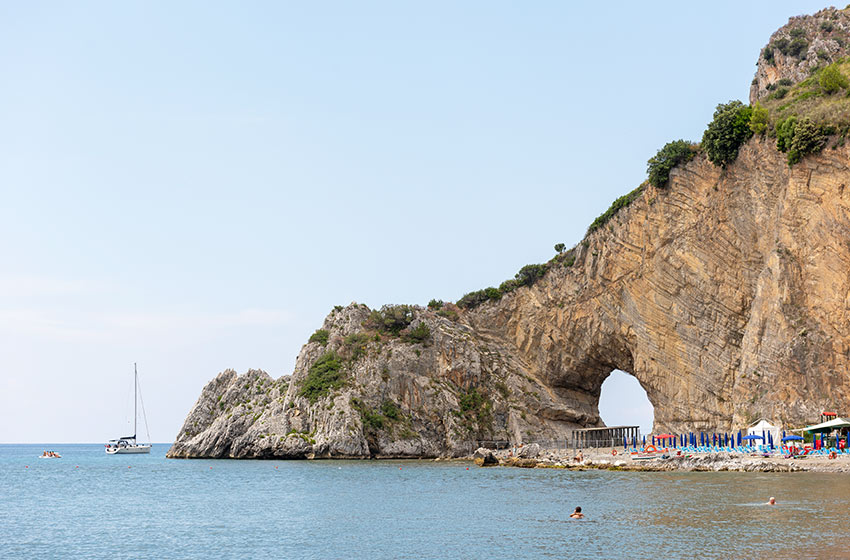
194	185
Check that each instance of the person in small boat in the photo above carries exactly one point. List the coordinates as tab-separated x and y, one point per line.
44	454
577	514
771	501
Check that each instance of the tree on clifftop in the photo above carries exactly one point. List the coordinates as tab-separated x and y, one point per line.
725	134
672	154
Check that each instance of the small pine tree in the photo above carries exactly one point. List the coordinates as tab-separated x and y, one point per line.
758	120
831	79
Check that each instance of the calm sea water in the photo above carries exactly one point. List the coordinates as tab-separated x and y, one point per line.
89	505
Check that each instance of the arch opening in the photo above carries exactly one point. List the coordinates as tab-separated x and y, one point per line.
624	402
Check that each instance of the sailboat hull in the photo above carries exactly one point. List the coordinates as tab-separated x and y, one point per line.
132	449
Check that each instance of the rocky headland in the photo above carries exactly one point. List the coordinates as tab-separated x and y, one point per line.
723	287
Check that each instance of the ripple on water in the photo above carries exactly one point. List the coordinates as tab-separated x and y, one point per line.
369	509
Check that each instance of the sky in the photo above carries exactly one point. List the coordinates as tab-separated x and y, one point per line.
193	186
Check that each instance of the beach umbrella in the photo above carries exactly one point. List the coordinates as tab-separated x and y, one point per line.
644	441
739	438
701	439
792	438
770	439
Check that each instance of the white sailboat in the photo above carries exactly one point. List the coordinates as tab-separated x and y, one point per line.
128	444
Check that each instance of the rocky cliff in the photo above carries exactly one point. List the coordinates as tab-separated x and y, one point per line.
726	294
798	48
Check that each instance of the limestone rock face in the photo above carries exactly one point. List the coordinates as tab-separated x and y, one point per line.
440	397
726	294
800	46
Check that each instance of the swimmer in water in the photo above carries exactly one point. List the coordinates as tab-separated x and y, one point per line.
771	501
577	514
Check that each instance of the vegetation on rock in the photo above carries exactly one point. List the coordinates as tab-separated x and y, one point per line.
417	334
758	120
320	336
799	137
323	376
615	207
527	276
356	344
390	319
729	129
475	410
672	154
832	80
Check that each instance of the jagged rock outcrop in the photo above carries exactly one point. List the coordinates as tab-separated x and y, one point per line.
726	294
796	49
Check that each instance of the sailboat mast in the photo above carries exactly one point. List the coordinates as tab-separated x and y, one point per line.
135	398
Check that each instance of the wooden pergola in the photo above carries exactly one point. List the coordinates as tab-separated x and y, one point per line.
610	436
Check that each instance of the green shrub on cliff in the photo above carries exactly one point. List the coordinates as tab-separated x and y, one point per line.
476	410
729	129
356	344
472	299
759	119
320	336
390	319
831	79
799	137
323	376
417	334
672	154
615	207
435	304
530	273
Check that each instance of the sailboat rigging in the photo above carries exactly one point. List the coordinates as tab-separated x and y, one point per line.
128	444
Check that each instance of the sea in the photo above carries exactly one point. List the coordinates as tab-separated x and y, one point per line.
91	505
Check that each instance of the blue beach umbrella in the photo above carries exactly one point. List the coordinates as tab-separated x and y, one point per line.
792	438
644	441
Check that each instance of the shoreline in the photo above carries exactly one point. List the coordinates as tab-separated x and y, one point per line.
694	462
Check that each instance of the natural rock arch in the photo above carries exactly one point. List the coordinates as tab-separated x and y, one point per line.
727	295
701	292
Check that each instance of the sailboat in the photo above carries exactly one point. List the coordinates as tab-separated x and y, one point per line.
128	444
